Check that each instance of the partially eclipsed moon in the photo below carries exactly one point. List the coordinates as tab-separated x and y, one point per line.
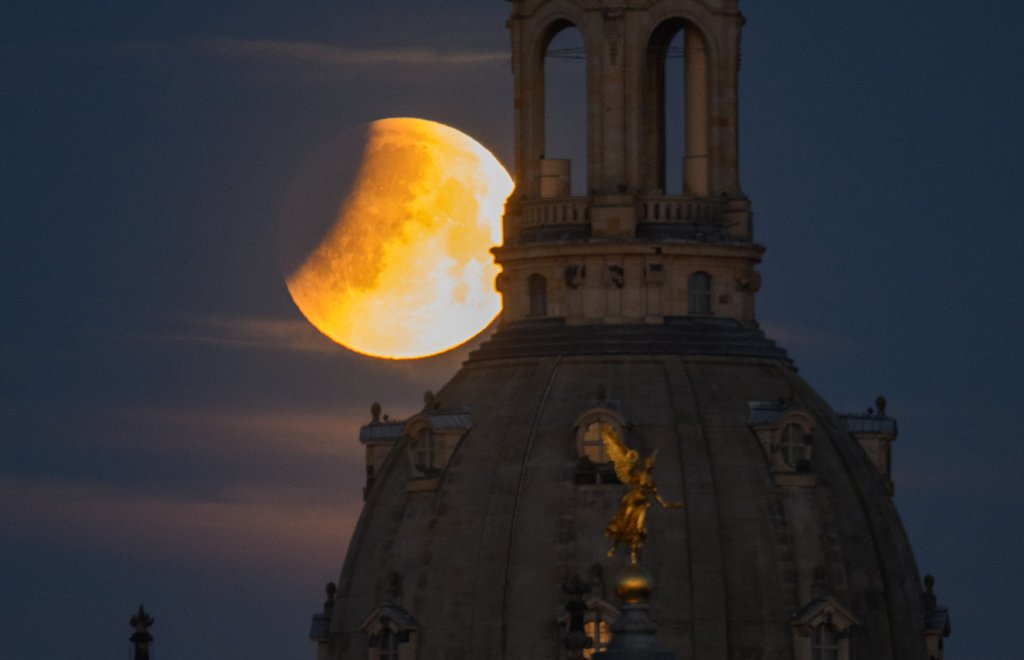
404	270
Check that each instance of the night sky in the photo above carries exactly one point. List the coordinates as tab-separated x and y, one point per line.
174	433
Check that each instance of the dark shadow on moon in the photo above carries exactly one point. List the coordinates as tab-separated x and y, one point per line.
315	196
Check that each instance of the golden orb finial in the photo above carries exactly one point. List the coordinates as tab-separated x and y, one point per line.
633	585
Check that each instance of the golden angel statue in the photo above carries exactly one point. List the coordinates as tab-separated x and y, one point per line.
627	527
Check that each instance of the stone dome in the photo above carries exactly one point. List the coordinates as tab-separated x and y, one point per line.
475	549
629	311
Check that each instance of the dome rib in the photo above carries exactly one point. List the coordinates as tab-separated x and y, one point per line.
708	641
480	560
516	502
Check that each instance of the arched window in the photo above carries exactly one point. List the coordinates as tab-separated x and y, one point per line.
676	111
537	287
699	293
825	642
793	445
424	449
565	111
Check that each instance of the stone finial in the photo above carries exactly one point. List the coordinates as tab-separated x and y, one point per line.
375	412
930	601
141	638
330	589
319	630
429	400
880	404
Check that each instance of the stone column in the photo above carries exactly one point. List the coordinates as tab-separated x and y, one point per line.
696	162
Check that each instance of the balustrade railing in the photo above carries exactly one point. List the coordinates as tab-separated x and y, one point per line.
660	209
679	209
556	211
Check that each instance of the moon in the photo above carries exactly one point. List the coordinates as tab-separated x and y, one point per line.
401	267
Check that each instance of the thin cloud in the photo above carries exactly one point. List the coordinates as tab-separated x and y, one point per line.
805	339
299	336
309	432
256	528
251	332
328	55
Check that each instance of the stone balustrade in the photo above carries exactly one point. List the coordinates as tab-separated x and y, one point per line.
660	209
555	211
679	209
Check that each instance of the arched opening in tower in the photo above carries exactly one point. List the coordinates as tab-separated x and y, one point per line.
675	116
564	167
676	111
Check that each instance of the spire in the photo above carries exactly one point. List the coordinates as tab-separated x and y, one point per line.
141	638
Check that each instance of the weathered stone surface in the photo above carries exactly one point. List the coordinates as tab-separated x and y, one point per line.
638	306
482	559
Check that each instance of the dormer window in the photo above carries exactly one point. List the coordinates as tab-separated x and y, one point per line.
424	448
793	446
432	437
786	434
821	630
825	642
392	633
387	645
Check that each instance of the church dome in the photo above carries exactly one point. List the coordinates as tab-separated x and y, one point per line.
628	314
476	546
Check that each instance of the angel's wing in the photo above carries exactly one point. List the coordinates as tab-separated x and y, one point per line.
623	457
